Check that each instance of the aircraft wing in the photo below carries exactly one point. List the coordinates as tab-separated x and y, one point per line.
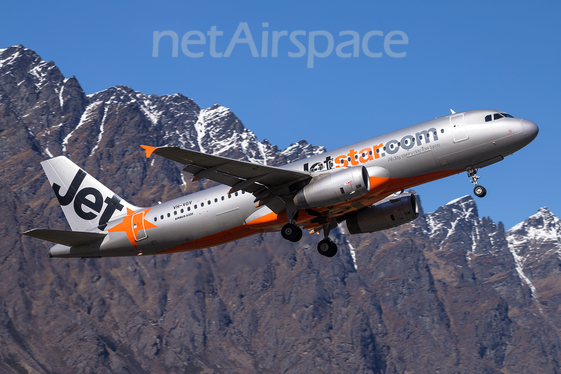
266	182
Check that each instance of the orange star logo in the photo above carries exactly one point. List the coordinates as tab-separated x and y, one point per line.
133	223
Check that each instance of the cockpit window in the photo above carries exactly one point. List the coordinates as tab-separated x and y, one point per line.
491	117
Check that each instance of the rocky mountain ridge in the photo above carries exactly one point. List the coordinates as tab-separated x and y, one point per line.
449	292
60	108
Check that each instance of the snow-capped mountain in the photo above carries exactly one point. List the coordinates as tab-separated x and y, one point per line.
458	222
57	110
536	237
532	248
535	245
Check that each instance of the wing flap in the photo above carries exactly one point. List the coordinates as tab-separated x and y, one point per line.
68	238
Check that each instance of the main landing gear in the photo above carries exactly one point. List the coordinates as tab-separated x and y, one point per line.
291	232
326	247
478	190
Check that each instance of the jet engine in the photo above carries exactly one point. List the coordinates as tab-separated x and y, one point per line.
334	188
384	215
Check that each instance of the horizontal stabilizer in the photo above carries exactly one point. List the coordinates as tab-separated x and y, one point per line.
68	238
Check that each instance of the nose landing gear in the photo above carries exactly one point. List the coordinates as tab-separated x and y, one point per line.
478	190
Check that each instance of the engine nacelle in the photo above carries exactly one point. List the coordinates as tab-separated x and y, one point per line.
334	188
384	215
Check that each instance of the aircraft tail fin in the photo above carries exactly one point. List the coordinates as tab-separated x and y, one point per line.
87	204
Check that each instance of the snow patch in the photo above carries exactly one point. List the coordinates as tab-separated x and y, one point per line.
60	97
456	201
183	182
101	131
353	254
150	111
519	261
201	131
85	116
10	59
39	73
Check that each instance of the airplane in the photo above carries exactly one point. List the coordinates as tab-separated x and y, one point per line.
362	185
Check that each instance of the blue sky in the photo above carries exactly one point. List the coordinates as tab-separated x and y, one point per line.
461	55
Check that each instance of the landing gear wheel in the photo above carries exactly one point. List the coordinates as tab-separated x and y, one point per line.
327	248
291	232
479	191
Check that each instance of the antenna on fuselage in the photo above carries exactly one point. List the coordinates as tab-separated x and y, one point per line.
452	111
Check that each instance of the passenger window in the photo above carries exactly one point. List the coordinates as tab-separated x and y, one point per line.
175	212
497	116
229	196
209	202
442	131
236	194
188	208
155	219
169	215
162	216
243	192
222	198
215	200
195	206
488	118
202	204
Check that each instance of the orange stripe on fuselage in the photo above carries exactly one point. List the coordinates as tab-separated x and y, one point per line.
380	188
222	237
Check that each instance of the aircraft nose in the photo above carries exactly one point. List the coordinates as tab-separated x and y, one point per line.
529	129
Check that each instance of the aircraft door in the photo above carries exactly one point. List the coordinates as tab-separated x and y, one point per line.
138	228
459	132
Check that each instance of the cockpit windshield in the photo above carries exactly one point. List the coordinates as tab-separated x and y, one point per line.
496	116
